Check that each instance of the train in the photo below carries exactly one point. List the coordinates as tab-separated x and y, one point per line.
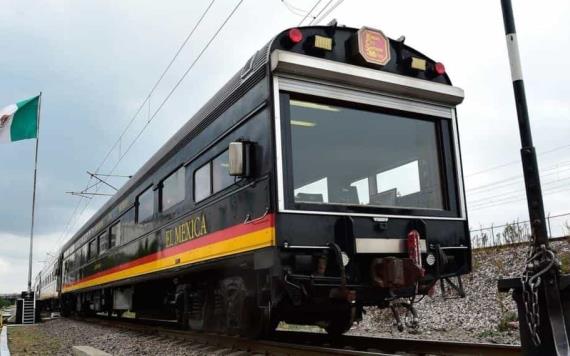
323	178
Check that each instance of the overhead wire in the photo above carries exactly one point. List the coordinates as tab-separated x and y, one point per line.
323	16
310	12
520	198
173	89
486	197
503	195
294	10
158	81
503	198
499	184
138	111
506	164
320	12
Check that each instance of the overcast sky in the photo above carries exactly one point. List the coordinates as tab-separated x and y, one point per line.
95	62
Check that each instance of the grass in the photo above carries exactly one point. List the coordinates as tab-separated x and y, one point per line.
564	257
488	334
506	318
31	340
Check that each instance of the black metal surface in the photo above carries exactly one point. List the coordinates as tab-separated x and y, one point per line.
508	18
400	53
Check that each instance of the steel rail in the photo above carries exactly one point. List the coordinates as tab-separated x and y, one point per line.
307	343
400	345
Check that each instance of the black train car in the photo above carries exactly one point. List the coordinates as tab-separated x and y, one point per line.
323	177
47	286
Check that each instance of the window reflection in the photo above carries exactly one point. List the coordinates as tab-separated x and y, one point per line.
202	183
145	206
220	171
173	189
357	157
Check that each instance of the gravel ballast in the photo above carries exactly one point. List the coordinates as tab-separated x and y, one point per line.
56	337
484	315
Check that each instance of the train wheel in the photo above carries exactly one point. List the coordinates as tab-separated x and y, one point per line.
198	310
256	322
342	323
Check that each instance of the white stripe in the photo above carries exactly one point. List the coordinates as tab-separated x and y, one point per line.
5	125
514	56
385	245
4	351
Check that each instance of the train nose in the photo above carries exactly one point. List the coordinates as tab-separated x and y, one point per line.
393	272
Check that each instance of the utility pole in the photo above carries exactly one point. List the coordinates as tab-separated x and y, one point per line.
542	294
34	195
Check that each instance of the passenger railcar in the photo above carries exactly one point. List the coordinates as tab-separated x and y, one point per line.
47	285
325	176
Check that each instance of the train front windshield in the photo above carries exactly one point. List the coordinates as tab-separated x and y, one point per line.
362	157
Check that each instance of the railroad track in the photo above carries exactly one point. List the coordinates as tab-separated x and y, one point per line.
309	344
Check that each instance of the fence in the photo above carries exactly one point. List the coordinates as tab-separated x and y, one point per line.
518	231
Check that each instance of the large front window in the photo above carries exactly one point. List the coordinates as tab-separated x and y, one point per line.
361	157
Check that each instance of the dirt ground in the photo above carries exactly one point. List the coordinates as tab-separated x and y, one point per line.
31	340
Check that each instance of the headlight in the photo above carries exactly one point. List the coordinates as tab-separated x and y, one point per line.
430	259
345	258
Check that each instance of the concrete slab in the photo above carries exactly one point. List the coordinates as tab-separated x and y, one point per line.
4	351
87	351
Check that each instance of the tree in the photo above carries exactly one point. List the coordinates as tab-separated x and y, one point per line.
4	303
512	233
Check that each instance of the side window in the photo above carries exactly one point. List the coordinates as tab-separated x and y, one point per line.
115	235
220	172
92	251
103	243
173	189
145	205
85	253
202	182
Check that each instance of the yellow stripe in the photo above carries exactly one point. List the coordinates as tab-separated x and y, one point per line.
242	243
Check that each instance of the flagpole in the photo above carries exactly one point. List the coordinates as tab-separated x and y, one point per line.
34	194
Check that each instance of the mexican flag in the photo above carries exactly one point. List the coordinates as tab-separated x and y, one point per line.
19	121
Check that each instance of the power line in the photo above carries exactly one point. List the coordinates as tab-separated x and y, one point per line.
310	11
147	98
328	12
294	10
141	106
499	184
518	198
514	162
320	12
174	88
511	192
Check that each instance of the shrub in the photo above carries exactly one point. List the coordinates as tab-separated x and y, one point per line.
564	257
506	318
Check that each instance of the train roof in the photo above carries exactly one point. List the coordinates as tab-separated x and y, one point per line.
251	72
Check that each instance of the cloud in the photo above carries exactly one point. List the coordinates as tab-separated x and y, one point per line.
14	254
14	251
4	266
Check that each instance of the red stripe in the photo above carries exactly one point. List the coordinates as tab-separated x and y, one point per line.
205	240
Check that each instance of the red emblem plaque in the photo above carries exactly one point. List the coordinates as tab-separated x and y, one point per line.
373	46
